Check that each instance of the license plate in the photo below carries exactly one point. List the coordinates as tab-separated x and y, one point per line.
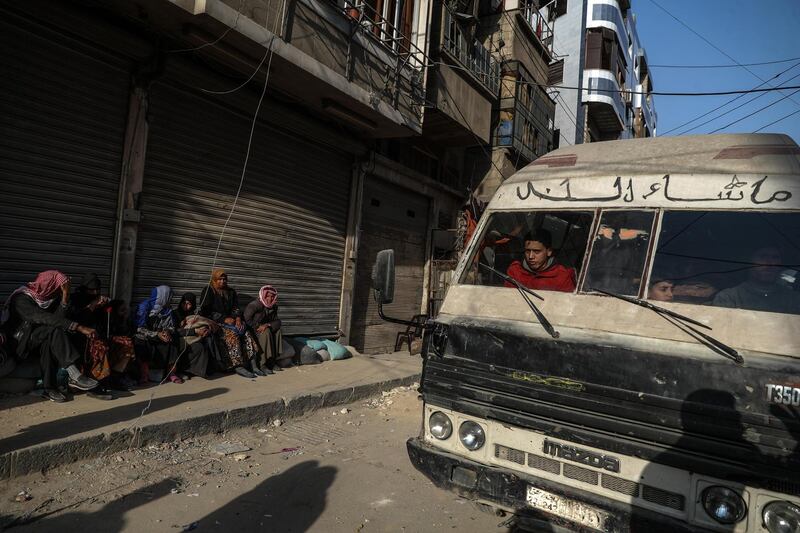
580	513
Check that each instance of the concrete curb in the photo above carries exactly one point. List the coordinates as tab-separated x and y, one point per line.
69	450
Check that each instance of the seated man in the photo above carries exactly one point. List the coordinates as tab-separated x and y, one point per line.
539	269
762	291
38	325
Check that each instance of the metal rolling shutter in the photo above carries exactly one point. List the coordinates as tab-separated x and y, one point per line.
392	218
289	226
62	120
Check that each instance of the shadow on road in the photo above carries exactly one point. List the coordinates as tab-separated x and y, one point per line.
289	502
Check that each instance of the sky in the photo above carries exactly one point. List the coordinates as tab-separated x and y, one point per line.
750	31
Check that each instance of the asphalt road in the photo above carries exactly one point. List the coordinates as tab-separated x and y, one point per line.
334	471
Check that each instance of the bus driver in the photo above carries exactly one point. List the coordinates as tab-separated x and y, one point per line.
539	269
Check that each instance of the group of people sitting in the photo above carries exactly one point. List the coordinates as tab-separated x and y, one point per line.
93	340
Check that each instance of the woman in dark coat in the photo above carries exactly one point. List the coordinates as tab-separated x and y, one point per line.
194	336
38	324
236	344
262	317
88	307
155	331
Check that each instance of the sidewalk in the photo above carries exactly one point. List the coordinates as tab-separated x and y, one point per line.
36	434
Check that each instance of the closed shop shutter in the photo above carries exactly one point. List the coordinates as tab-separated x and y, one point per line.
289	226
394	218
62	121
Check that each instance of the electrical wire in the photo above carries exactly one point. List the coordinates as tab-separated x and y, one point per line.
725	104
754	112
717	48
729	66
643	93
776	121
253	75
218	39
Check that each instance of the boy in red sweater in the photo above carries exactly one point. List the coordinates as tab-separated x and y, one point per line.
539	269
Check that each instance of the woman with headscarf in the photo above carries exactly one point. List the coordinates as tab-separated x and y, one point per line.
194	336
237	346
262	316
87	307
155	325
38	324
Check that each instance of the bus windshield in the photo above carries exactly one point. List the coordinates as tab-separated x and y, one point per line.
733	259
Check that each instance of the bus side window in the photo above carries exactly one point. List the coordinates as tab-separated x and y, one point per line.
619	252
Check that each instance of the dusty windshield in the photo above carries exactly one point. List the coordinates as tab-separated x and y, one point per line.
543	250
744	260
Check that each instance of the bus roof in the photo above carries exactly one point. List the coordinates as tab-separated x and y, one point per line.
747	153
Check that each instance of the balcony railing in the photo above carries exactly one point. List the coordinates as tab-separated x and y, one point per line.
537	24
386	34
529	129
472	55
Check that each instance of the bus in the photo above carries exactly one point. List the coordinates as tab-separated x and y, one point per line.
620	346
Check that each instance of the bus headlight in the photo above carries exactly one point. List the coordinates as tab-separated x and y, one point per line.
440	425
723	504
471	435
781	517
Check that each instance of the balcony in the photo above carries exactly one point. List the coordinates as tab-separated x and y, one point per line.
340	59
605	102
536	24
526	122
470	54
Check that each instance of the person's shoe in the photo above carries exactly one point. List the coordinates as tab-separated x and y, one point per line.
54	396
174	378
258	371
267	371
83	383
100	393
242	371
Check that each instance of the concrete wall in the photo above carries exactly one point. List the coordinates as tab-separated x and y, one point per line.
321	31
462	101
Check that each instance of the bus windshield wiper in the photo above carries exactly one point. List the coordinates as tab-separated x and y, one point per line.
525	291
683	322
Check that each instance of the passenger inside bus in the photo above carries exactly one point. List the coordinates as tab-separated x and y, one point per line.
762	291
538	268
661	287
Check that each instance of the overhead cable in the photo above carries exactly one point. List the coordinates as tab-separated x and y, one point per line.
717	48
781	73
731	110
754	112
739	65
776	121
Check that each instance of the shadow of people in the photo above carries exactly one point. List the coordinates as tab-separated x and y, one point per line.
65	427
289	502
714	442
109	519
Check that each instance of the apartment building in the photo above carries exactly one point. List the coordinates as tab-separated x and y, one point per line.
598	50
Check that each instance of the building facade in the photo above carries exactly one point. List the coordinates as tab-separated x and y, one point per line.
126	126
598	51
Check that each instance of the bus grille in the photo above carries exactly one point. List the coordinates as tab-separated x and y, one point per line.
509	454
581	474
648	493
617	484
544	463
663	497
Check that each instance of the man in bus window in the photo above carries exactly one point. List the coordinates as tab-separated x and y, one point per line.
762	290
538	269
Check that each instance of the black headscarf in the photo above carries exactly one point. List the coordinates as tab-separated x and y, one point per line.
180	312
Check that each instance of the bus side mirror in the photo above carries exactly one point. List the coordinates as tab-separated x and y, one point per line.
383	277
